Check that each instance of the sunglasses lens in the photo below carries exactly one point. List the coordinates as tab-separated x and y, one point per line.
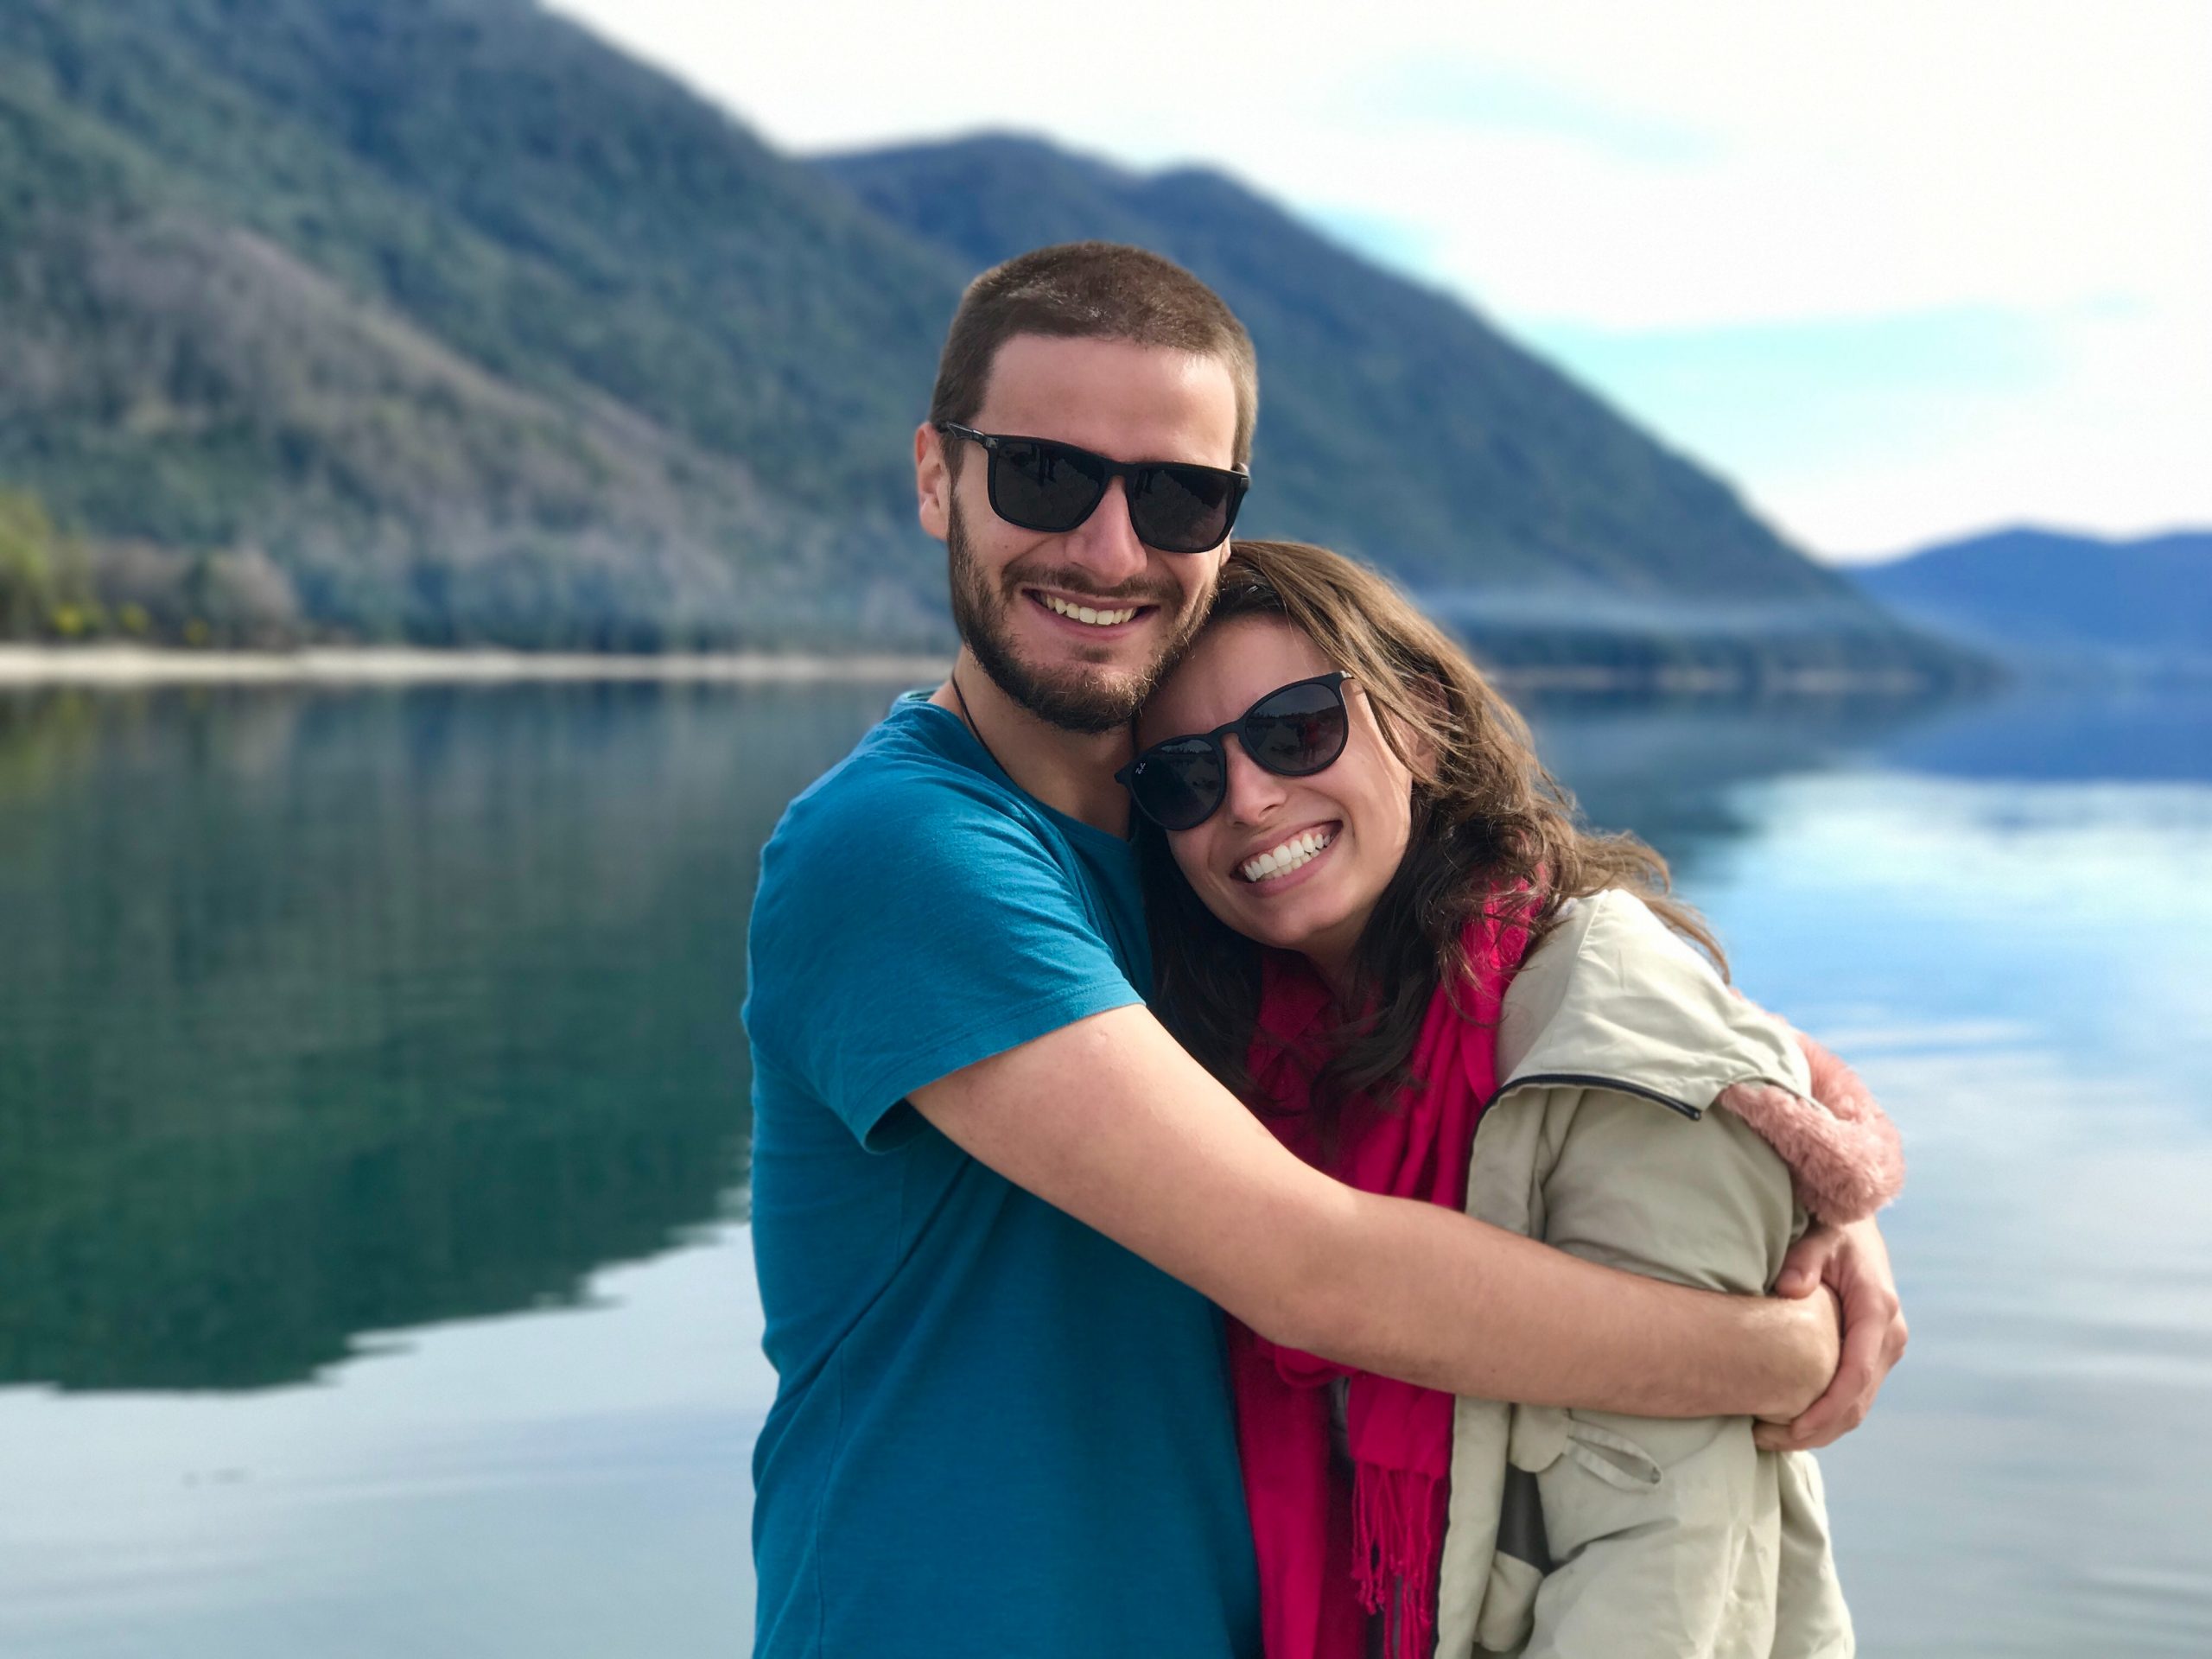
1178	784
1297	730
1183	509
1042	485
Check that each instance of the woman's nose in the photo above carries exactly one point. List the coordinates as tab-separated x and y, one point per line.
1253	791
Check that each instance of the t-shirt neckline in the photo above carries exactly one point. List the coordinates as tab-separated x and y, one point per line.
987	765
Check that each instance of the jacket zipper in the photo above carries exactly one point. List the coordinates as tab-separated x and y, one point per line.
1687	1110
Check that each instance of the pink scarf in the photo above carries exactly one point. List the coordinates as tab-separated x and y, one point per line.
1325	1560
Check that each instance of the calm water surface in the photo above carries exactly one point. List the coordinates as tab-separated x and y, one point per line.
373	1277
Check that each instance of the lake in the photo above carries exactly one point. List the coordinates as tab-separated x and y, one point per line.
373	1270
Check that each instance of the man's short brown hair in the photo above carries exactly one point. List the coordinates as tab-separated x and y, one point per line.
1091	291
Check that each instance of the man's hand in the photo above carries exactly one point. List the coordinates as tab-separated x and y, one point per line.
1854	1262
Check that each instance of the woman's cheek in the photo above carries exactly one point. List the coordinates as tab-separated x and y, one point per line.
1404	836
1189	852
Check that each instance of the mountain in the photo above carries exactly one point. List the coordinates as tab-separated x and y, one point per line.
1397	424
2040	597
442	320
476	327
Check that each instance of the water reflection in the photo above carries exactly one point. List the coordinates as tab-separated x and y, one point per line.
331	1012
323	1013
1669	769
328	1012
2145	734
2021	968
326	1019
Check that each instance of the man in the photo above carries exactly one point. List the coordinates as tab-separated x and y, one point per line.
994	1205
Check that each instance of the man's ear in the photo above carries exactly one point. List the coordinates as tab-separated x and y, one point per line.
1220	556
932	481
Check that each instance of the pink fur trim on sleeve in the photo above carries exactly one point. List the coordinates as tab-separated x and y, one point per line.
1845	1158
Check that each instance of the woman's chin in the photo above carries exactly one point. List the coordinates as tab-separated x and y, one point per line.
1304	922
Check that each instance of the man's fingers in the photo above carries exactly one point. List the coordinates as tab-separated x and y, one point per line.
1849	1397
1807	1263
1873	1336
1874	1333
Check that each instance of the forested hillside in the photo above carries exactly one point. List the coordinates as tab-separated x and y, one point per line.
474	328
441	320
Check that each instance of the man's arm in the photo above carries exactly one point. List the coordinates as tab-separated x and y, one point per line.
1853	1261
1109	1119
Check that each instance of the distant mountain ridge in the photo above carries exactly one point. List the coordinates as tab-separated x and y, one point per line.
2045	597
442	320
1398	425
1395	422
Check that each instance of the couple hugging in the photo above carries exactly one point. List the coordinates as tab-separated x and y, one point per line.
1236	1171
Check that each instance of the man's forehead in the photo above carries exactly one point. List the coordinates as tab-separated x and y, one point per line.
1131	401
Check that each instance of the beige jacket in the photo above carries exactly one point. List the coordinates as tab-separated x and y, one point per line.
1588	1533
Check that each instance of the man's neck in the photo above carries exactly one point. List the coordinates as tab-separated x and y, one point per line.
1070	771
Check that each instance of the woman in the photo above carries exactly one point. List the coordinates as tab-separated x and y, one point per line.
1375	919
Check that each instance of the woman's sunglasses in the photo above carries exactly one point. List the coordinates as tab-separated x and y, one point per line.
1175	505
1294	731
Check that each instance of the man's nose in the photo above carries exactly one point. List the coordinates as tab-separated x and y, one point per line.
1105	544
1253	791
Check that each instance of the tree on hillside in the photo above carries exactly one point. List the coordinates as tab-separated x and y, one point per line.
46	581
27	595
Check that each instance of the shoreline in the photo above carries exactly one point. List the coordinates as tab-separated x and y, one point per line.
128	667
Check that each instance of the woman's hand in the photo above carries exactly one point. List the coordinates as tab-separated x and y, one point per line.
1853	1262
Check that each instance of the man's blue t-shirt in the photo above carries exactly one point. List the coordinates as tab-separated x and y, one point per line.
996	1432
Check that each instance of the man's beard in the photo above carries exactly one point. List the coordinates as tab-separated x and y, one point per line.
1067	697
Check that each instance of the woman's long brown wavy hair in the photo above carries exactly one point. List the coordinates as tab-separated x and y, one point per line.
1493	834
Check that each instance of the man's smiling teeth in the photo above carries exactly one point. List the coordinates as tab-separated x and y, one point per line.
1280	860
1085	614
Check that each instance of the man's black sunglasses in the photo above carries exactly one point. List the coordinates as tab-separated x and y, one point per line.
1175	505
1294	731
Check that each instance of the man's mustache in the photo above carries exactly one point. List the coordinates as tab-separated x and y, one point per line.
1065	580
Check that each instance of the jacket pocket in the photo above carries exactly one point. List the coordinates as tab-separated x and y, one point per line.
1661	1541
1614	1459
1541	1435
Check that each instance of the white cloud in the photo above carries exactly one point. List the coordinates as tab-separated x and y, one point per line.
1732	163
2126	444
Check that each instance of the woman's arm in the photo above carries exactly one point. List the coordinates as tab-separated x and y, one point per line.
1109	1119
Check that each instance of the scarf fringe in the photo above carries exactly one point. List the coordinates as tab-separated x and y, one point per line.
1393	1554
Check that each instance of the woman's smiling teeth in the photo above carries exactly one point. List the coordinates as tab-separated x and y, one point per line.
1085	614
1281	860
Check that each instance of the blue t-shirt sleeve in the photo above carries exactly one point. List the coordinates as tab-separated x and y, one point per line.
908	925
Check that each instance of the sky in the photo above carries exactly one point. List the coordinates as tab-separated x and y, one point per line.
1900	271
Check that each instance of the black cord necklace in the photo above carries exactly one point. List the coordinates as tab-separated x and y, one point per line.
968	715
